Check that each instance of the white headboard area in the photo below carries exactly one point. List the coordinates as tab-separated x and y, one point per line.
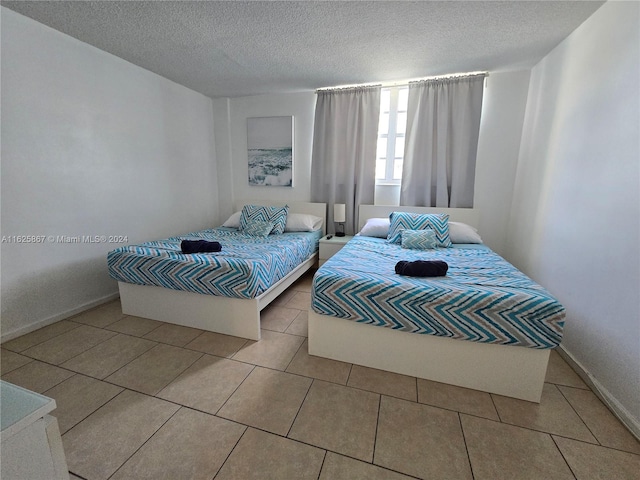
469	216
317	209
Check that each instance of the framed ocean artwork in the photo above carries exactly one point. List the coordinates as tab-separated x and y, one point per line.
270	151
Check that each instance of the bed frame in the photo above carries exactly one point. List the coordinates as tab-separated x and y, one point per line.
239	317
512	371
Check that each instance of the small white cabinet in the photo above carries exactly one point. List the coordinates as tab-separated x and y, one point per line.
330	246
31	443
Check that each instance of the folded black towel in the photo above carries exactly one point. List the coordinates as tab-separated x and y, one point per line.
199	246
422	268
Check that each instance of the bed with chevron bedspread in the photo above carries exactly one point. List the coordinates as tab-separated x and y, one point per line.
483	326
245	267
482	298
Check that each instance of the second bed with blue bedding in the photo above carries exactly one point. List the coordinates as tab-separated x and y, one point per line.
245	267
482	298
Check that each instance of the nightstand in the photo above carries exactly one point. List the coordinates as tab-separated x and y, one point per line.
329	247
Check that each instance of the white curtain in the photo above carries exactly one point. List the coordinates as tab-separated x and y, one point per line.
443	124
343	162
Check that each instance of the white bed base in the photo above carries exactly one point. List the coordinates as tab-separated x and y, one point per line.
517	372
239	317
512	371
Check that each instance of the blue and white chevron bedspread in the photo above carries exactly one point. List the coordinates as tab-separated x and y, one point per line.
482	298
245	268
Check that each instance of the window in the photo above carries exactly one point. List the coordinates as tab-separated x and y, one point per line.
391	130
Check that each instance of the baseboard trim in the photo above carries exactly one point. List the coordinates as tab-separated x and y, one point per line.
56	318
632	424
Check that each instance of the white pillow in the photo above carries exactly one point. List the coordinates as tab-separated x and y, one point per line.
376	227
302	222
463	233
233	221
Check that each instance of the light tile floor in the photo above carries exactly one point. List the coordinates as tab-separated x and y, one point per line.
144	399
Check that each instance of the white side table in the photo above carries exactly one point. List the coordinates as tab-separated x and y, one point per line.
31	442
330	246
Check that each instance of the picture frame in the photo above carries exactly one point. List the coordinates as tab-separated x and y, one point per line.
270	151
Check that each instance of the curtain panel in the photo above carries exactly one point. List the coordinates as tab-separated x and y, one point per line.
441	142
344	150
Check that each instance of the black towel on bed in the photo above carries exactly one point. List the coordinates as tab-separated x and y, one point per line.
199	246
422	268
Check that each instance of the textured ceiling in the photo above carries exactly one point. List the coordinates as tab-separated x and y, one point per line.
236	48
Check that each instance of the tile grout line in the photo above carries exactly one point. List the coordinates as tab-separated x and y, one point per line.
80	353
76	475
146	393
563	457
162	324
466	447
324	458
349	376
23	365
44	341
232	393
288	325
536	429
293	356
375	436
298	440
580	416
117	369
46	363
81	421
246	428
92	411
133	360
147	440
591	444
179	373
325	449
495	407
295	417
540	431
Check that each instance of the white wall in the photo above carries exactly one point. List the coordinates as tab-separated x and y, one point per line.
91	145
231	119
221	125
503	107
575	221
500	132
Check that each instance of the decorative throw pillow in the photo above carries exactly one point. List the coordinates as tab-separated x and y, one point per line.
419	239
275	215
376	227
257	228
438	222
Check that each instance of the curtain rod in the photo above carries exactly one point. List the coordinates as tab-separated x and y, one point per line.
451	77
349	87
402	82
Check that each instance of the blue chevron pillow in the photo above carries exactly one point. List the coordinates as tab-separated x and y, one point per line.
438	222
419	239
275	215
257	228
